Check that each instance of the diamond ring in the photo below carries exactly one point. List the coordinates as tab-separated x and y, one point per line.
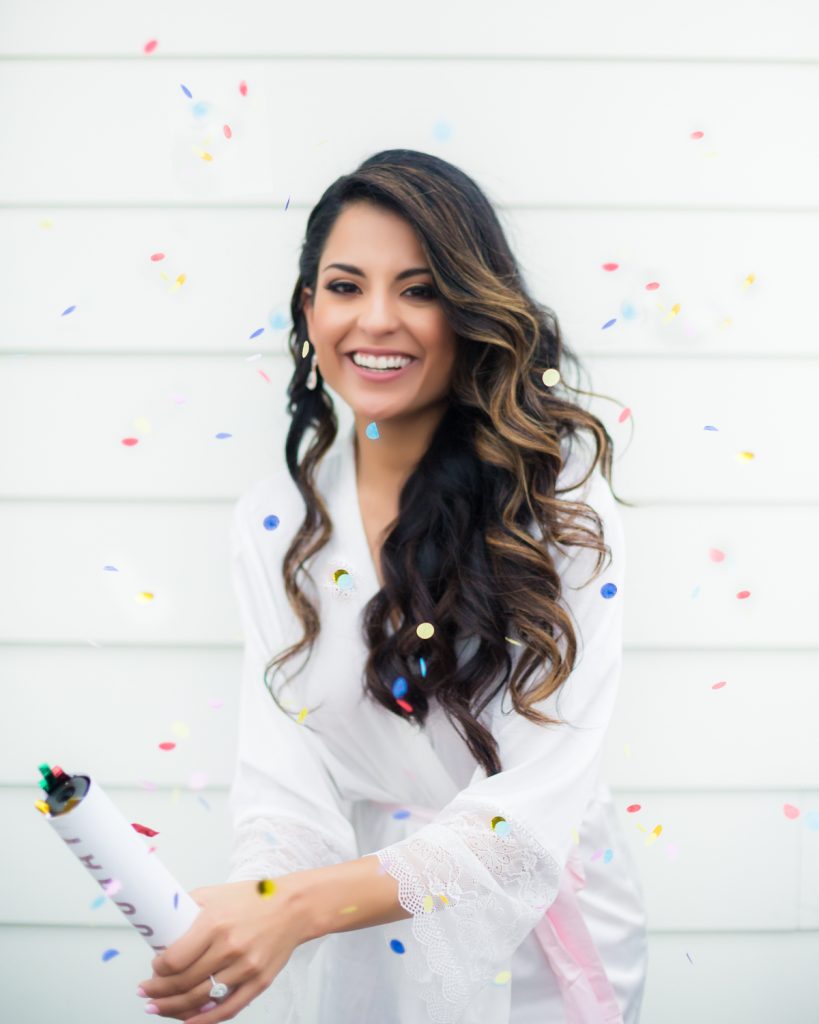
219	989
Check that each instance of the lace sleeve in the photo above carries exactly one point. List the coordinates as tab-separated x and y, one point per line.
479	877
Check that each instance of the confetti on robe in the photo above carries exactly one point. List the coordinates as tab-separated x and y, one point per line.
372	431
270	522
501	826
143	829
175	900
396	946
266	887
608	590
716	555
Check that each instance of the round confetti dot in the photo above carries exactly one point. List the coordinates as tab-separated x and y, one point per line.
372	431
716	555
270	522
425	630
345	581
652	286
399	687
157	256
396	946
608	590
551	377
743	594
607	856
266	887
109	954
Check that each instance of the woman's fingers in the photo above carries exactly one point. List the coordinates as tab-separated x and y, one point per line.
187	1003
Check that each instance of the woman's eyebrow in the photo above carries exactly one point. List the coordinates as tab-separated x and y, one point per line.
350	269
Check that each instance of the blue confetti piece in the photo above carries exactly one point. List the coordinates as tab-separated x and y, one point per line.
200	109
442	131
607	856
695	592
812	820
203	802
98	902
423	667
187	92
399	687
287	203
398	815
222	435
279	321
109	954
608	590
396	946
628	311
710	428
110	568
608	323
372	431
502	828
256	334
270	522
345	581
70	309
175	900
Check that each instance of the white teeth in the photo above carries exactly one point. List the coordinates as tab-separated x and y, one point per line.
380	362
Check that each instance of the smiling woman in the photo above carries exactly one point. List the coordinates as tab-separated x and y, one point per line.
412	785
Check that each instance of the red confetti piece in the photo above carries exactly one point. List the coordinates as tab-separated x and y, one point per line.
652	286
150	46
157	256
611	266
716	555
624	415
697	135
144	829
243	88
130	441
743	594
166	746
263	374
791	811
403	704
719	685
227	131
633	807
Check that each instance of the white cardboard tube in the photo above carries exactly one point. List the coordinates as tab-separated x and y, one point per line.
105	842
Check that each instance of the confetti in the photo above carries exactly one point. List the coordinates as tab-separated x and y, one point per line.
624	415
187	91
396	946
551	377
400	815
305	348
423	665
144	597
501	826
130	441
608	590
263	374
175	900
110	568
743	594
167	746
791	811
227	132
70	309
150	46
270	522
372	431
652	286
608	323
243	88
215	702
719	685
716	555
403	704
425	630
697	135
266	887
302	715
157	256
143	829
222	435
511	641
203	802
611	266
745	456
399	687
502	977
632	808
109	954
256	333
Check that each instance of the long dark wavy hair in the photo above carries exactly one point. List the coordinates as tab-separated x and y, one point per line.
460	553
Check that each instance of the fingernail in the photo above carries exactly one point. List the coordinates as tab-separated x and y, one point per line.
151	1008
141	992
208	1006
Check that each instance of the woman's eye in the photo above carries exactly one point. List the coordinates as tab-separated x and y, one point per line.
426	291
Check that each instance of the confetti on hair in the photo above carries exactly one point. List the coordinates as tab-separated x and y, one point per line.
70	309
187	92
791	812
150	46
396	946
403	704
109	954
511	641
305	348
143	829
372	431
270	522
425	630
423	665
144	597
502	978
608	590
167	745
551	377
611	266
266	887
399	687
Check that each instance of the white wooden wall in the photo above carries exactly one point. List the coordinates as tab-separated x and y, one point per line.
577	120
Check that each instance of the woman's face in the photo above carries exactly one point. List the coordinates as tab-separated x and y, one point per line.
370	306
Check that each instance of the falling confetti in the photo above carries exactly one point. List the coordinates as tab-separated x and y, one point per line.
624	415
372	431
130	441
150	46
400	815
710	428
175	900
143	829
608	323
266	887
344	581
167	746
243	88
791	811
396	946
270	522
633	808
716	555
425	630
610	266
749	280
227	132
743	594
256	333
551	377
652	286
502	977
110	568
511	641
745	456
187	91
222	435
109	954
608	590
423	665
70	309
144	597
719	685
301	716
157	256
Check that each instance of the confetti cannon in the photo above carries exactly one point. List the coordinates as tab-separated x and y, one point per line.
110	848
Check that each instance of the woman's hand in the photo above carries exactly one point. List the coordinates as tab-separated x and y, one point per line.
241	936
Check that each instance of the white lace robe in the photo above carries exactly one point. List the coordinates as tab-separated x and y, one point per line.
370	782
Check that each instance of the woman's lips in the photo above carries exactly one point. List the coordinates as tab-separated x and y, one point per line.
384	375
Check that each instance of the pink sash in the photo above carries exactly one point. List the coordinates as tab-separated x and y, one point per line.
587	993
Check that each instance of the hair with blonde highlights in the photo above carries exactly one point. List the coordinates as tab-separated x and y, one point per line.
461	553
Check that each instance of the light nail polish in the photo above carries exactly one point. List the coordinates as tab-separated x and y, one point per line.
207	1006
141	992
151	1008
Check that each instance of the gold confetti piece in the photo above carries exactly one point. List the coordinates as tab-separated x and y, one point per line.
551	377
425	630
496	819
428	903
575	837
749	280
511	641
180	729
47	223
675	309
206	156
302	715
443	898
337	573
348	910
745	456
305	348
145	597
502	977
266	887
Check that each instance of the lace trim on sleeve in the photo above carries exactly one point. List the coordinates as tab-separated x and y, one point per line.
475	892
265	847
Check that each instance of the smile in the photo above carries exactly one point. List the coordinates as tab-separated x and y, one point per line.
385	374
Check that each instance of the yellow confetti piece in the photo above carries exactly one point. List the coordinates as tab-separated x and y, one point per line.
302	716
305	348
745	456
443	898
348	910
47	223
551	377
180	729
145	597
511	641
142	425
337	573
749	280
425	630
427	903
266	887
502	977
206	156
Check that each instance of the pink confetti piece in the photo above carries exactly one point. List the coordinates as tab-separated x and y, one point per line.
716	555
632	808
243	88
743	594
150	46
652	286
130	441
719	685
167	746
611	266
624	415
143	829
791	811
696	135
263	374
157	256
227	131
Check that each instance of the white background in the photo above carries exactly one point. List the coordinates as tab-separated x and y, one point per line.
576	119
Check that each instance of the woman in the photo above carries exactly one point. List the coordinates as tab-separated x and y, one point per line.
435	825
